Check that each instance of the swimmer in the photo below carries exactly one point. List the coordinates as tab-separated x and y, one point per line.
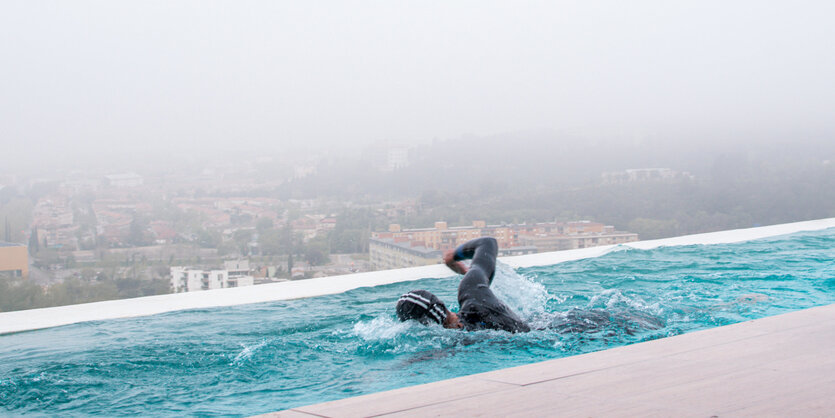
480	308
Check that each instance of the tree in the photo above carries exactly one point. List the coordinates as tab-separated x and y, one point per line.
19	212
242	237
34	245
138	235
653	228
316	251
263	224
226	248
315	256
272	242
208	238
348	241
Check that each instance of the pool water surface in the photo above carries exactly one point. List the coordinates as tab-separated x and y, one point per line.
258	358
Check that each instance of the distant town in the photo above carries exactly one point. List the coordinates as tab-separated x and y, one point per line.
191	223
194	233
119	226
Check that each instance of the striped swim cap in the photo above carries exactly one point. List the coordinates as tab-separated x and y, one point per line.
422	306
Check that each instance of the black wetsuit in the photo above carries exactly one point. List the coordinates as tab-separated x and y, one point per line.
608	322
480	308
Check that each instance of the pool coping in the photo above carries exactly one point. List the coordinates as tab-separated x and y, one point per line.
32	319
781	365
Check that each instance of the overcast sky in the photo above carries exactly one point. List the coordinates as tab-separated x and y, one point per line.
104	77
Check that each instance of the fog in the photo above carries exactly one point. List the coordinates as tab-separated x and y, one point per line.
139	137
84	81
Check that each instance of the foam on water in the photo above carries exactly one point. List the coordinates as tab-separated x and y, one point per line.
380	328
251	359
521	293
248	350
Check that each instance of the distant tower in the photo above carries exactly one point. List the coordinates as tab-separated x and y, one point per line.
397	157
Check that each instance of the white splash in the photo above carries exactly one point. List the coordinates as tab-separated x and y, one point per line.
522	294
380	328
248	351
614	299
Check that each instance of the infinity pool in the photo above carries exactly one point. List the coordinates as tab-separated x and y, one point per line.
252	359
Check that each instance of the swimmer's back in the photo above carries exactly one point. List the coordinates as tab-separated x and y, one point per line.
480	308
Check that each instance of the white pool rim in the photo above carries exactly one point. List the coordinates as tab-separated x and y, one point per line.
32	319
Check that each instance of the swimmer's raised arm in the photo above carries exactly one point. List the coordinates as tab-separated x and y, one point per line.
483	251
453	264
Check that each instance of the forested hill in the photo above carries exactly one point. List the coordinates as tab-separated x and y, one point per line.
537	177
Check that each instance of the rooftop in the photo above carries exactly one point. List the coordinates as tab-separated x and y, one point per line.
407	245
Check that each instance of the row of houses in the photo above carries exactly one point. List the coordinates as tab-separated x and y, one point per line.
399	247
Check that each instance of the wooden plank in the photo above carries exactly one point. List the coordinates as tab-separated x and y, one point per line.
446	391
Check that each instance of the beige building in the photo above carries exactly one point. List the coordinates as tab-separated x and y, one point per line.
400	247
14	260
547	236
545	243
389	253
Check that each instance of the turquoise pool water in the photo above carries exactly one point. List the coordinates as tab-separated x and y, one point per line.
259	358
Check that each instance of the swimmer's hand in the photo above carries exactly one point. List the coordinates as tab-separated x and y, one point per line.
456	266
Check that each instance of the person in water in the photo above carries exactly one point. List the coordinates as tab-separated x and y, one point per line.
480	308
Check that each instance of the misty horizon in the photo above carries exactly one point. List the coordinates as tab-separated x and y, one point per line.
87	81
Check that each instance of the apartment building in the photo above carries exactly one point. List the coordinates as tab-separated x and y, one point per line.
400	247
14	260
188	279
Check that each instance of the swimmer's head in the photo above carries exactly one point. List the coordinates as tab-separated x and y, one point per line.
421	306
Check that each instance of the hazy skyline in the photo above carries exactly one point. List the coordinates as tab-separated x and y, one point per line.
101	78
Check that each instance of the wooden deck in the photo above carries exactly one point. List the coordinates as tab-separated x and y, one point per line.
778	366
